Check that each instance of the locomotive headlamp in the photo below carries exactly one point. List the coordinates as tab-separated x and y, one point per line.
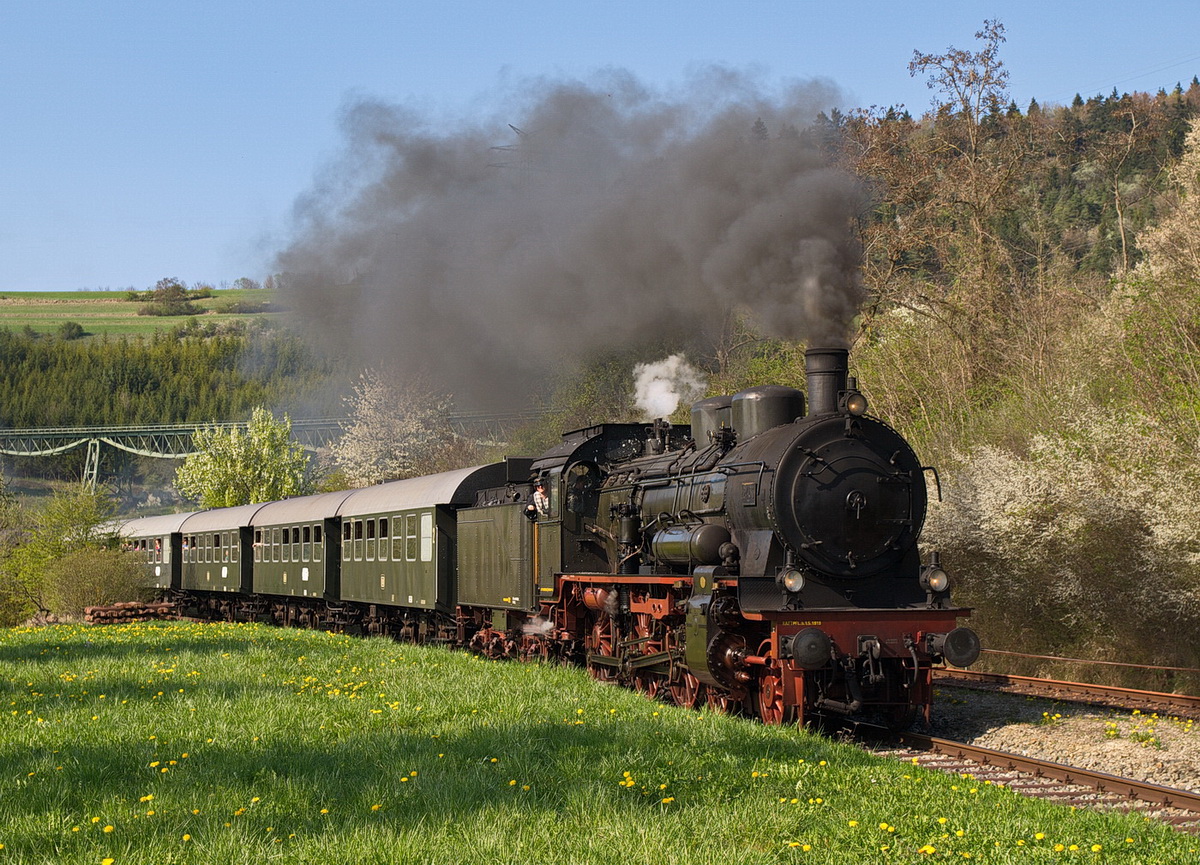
935	580
791	579
856	404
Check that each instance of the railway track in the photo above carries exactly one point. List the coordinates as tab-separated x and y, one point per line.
1182	705
1043	779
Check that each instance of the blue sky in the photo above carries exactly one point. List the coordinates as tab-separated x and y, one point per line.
147	139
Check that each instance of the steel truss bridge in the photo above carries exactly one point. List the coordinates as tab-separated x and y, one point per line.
175	441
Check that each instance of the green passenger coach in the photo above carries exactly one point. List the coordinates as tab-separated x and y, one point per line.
397	538
295	546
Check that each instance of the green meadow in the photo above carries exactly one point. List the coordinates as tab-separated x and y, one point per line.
109	313
199	743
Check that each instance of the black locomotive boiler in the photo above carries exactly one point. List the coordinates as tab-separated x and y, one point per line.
764	558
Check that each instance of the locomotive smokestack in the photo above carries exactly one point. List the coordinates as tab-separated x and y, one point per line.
825	370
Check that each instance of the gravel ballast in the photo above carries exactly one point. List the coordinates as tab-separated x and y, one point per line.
1131	744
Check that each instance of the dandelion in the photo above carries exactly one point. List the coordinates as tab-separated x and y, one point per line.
1096	848
376	807
109	829
928	850
852	823
187	837
108	861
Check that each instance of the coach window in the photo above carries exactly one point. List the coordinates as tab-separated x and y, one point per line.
258	545
274	545
346	542
316	543
358	540
306	540
225	545
295	543
235	541
370	540
285	548
410	537
427	537
397	539
383	539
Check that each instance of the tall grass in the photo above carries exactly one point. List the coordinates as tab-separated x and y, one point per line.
241	743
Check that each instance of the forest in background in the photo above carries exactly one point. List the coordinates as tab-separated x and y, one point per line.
1033	284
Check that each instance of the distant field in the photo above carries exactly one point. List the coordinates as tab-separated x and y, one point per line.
109	312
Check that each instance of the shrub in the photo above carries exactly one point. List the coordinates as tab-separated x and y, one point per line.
70	330
91	577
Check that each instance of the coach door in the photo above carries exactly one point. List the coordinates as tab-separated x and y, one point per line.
547	560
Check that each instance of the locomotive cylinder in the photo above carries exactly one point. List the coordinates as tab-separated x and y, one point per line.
690	545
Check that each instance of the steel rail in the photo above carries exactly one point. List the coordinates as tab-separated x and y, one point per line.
1183	701
1129	788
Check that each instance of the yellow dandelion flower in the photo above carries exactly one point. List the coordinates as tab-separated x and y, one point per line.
376	807
146	798
928	850
1039	836
1096	848
187	837
324	810
109	828
513	782
852	822
108	861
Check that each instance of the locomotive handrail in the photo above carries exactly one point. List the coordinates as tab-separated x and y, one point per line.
937	479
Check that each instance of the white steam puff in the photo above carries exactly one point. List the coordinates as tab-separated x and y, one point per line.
660	387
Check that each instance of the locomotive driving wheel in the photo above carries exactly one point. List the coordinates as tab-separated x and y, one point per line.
683	685
684	688
644	629
718	699
601	643
769	699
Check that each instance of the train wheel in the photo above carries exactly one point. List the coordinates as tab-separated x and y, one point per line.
646	629
718	700
769	698
685	691
649	684
601	643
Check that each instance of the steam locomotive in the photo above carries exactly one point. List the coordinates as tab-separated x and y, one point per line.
763	559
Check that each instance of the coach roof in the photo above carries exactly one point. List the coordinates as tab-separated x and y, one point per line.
448	488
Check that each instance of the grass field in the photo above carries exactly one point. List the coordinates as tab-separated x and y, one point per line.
109	312
174	743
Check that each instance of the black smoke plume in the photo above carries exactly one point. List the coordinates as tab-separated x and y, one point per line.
579	215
